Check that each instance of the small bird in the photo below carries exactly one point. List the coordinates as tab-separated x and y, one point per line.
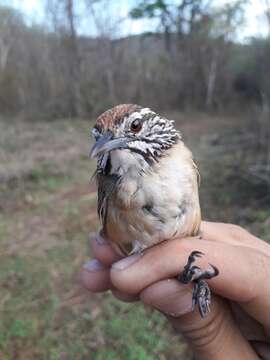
148	187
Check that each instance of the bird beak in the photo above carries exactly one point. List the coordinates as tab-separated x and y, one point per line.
106	143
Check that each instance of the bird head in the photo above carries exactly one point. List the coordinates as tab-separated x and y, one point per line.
133	134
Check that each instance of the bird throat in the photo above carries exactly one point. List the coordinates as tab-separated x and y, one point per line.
104	164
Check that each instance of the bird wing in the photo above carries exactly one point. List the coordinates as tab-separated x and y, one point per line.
197	172
195	229
106	186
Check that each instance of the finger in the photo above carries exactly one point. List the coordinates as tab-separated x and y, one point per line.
169	296
251	329
242	271
124	296
262	349
103	251
208	337
232	234
95	276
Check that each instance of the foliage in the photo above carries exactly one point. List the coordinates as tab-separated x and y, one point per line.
189	60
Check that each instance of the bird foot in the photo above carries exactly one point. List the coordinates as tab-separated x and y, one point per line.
201	295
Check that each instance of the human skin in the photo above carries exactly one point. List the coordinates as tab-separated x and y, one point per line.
238	326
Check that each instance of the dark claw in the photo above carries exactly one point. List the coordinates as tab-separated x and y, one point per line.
188	274
196	253
208	274
195	267
201	295
216	271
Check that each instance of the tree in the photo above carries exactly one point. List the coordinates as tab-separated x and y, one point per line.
11	22
64	20
201	35
266	4
179	17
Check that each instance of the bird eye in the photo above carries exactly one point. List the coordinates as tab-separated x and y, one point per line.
136	126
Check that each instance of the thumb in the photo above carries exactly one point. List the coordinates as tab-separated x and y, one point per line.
216	337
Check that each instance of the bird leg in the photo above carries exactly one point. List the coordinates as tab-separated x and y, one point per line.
201	295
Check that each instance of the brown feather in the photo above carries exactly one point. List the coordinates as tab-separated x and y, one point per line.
115	115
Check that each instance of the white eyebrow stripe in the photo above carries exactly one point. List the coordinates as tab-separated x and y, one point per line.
146	111
136	115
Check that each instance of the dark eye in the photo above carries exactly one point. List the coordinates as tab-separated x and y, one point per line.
136	126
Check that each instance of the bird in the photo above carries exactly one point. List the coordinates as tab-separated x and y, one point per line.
147	183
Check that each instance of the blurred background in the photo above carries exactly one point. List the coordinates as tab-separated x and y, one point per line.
203	63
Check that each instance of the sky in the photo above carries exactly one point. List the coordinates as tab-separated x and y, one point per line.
255	21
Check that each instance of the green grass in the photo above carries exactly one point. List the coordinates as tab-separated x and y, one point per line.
47	210
33	321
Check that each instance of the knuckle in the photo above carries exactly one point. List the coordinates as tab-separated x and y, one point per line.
125	282
120	282
261	265
237	231
260	274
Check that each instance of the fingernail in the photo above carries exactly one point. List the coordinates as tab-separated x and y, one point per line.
126	262
93	265
100	239
169	297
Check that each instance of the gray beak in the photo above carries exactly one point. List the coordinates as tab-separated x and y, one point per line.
106	143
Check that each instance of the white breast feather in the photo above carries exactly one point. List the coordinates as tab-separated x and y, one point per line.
171	190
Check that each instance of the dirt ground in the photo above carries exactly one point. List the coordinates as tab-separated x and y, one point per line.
48	210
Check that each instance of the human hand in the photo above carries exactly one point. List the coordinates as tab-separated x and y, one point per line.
239	328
